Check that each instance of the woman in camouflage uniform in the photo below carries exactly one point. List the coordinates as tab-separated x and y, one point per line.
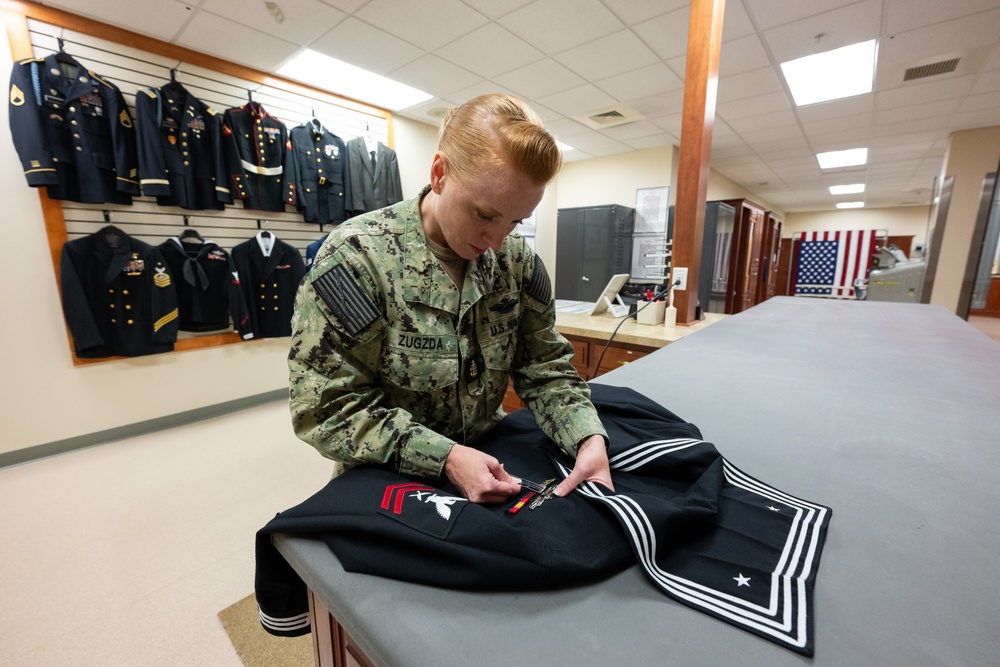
413	318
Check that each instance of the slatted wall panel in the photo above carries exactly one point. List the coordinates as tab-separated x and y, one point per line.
132	69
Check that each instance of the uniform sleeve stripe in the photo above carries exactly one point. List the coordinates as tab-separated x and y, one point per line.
166	319
340	291
156	181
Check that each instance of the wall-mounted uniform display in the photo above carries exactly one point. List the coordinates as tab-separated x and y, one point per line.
312	249
208	285
73	131
374	173
255	146
180	151
317	173
270	271
118	296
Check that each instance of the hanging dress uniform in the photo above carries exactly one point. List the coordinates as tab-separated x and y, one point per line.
181	162
73	131
208	287
317	173
255	148
373	186
118	296
270	271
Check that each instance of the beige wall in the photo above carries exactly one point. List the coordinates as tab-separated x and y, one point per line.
899	221
971	155
46	399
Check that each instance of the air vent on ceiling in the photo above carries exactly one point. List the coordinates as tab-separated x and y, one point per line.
610	117
943	67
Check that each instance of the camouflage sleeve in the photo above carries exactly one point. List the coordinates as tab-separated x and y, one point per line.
336	403
542	373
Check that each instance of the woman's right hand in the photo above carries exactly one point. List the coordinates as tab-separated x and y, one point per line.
478	476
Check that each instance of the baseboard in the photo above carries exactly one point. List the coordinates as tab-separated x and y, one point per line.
42	451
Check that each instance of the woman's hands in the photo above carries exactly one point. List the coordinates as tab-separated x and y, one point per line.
480	477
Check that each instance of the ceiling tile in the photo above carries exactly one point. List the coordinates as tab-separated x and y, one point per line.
587	140
541	78
858	22
504	52
666	35
752	106
496	8
304	20
986	102
429	24
742	55
477	89
611	148
929	109
632	12
748	84
267	54
642	128
861	121
849	106
556	25
736	22
566	128
351	42
641	82
944	39
161	20
903	15
653	141
660	105
670	123
347	6
578	101
987	82
917	92
607	56
771	13
434	75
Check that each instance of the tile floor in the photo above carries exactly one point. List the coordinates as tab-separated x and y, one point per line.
123	554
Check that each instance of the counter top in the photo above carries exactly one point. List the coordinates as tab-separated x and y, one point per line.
885	412
632	333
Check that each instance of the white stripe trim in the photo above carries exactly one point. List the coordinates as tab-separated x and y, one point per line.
296	622
785	594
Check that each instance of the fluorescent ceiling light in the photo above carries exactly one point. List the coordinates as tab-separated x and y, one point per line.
852	189
851	204
344	79
564	147
832	75
848	158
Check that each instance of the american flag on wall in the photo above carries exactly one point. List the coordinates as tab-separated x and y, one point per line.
830	262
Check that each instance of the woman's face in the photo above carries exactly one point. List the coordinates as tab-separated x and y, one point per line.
472	217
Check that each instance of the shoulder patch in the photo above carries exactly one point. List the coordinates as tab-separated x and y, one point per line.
539	286
341	292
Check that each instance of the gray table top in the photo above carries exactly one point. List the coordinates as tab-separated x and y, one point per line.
887	413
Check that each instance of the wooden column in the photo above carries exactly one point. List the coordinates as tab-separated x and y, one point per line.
701	79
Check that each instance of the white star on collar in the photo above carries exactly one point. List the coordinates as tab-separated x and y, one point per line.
742	581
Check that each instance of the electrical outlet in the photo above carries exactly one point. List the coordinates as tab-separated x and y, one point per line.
681	274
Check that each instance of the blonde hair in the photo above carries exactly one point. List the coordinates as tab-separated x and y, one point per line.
494	129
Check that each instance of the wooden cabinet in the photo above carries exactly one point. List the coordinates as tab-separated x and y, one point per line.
746	255
586	354
771	258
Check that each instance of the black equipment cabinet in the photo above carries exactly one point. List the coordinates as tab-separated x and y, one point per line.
593	243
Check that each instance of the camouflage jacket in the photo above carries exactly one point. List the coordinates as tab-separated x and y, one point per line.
390	364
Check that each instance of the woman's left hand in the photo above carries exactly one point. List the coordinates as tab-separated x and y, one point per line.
591	466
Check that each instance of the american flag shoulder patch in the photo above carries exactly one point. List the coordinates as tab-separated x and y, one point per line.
539	286
341	292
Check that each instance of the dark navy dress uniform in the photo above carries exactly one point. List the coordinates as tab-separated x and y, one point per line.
73	131
255	146
269	281
118	296
317	174
181	162
208	287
